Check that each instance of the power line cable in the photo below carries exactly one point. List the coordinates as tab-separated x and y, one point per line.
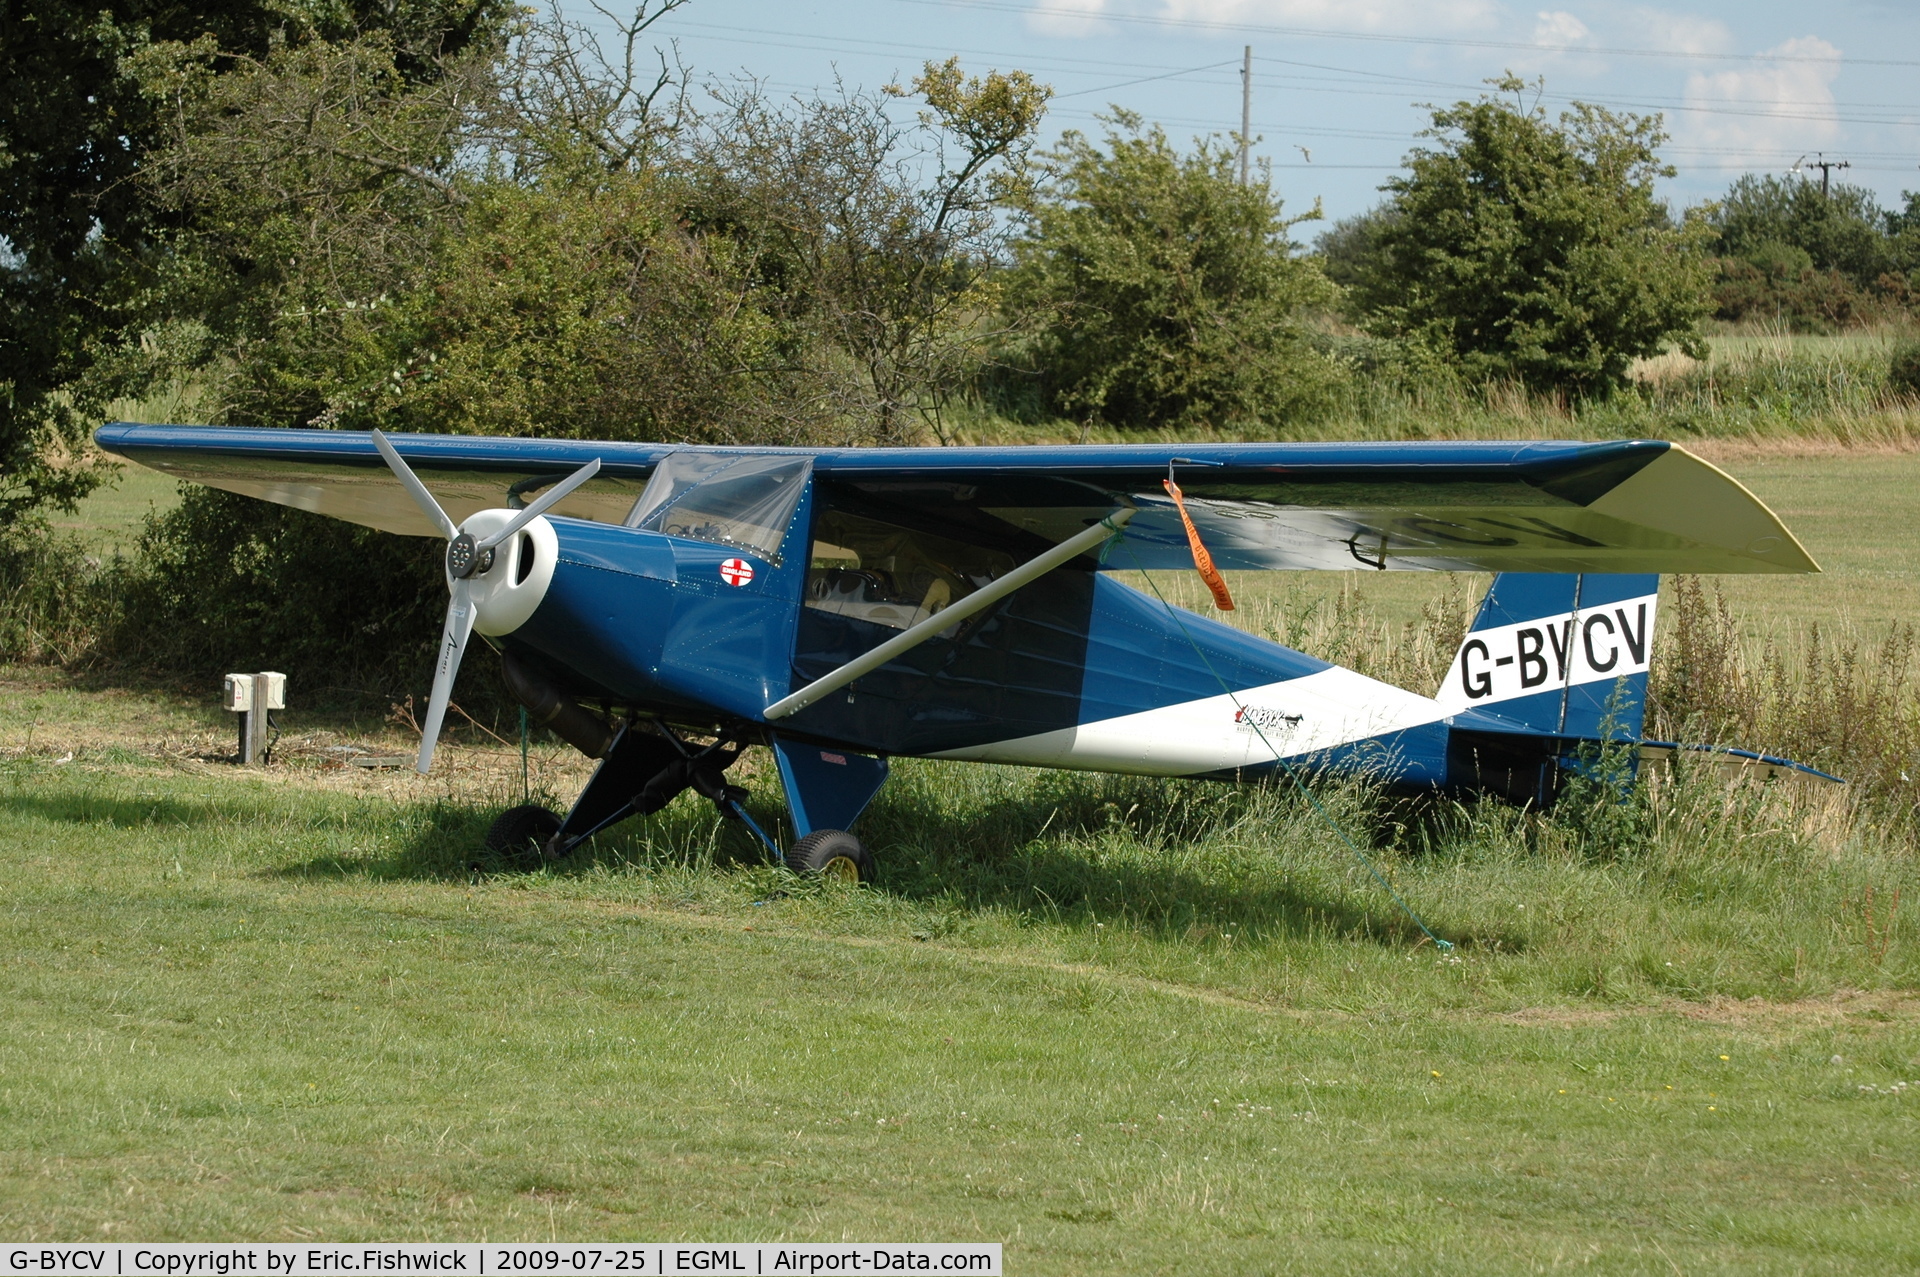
1455	42
1739	160
1458	86
1145	79
1731	107
784	40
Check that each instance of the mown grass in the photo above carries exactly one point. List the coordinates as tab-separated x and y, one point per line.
1116	1026
1856	512
109	520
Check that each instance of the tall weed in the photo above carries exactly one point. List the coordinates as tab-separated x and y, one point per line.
1758	385
55	599
1842	703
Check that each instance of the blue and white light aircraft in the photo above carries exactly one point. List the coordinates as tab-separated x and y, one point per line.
663	607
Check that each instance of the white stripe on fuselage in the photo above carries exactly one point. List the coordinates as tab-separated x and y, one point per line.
1299	716
1524	658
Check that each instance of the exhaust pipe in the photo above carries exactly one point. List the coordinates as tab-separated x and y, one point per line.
553	709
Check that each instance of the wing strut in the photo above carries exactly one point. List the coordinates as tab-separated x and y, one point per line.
978	601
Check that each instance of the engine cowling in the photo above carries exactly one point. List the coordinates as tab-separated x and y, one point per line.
512	586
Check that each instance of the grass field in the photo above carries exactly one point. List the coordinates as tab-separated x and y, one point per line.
1861	511
1117	1025
110	519
1116	1028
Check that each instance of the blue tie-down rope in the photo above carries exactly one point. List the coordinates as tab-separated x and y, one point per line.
1443	946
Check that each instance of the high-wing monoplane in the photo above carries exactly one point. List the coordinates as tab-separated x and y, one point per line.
663	608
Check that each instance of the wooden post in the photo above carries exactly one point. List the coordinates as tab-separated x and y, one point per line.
1246	110
253	697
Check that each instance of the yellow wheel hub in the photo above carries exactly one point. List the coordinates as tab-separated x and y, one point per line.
841	869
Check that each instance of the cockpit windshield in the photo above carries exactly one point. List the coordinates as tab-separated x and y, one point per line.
892	576
746	502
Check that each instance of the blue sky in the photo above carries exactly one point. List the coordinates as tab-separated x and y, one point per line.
1337	83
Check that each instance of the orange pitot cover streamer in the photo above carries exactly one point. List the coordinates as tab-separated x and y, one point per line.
1202	561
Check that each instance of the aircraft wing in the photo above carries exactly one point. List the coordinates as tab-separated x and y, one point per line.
1620	506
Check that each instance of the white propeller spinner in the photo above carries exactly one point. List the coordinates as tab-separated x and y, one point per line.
468	555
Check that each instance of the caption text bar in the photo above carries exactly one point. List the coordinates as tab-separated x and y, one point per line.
470	1259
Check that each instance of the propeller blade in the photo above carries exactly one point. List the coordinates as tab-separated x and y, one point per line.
416	489
453	644
550	498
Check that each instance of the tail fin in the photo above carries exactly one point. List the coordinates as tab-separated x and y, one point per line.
1559	654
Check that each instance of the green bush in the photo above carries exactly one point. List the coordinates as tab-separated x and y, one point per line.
226	582
1785	225
54	598
559	311
1168	294
1903	369
1532	250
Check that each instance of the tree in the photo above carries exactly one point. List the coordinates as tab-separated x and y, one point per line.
1536	250
373	249
1763	218
80	231
565	311
1792	253
876	238
1349	251
535	241
1169	294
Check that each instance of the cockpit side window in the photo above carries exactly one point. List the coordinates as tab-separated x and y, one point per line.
745	502
892	576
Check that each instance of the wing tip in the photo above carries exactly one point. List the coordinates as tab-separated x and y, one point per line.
1794	558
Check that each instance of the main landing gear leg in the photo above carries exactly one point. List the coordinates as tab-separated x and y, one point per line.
643	772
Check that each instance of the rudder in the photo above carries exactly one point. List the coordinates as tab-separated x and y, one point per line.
1559	654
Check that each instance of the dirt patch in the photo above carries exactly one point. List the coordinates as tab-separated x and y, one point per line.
59	721
1844	1005
1885	1005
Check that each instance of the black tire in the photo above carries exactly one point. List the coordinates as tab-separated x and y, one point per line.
832	853
522	832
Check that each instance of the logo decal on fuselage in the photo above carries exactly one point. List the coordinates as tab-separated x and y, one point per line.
1264	719
736	571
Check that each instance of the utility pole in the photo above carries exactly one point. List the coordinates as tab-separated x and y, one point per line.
1246	108
1826	167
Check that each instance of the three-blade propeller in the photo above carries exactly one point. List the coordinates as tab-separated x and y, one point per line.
467	557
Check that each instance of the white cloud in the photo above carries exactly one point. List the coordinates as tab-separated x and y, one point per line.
1351	15
1067	17
1681	32
1749	114
1558	29
1557	36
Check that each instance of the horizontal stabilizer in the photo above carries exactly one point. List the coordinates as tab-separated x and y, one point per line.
1732	763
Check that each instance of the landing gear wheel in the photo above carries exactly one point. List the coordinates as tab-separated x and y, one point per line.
523	831
832	853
